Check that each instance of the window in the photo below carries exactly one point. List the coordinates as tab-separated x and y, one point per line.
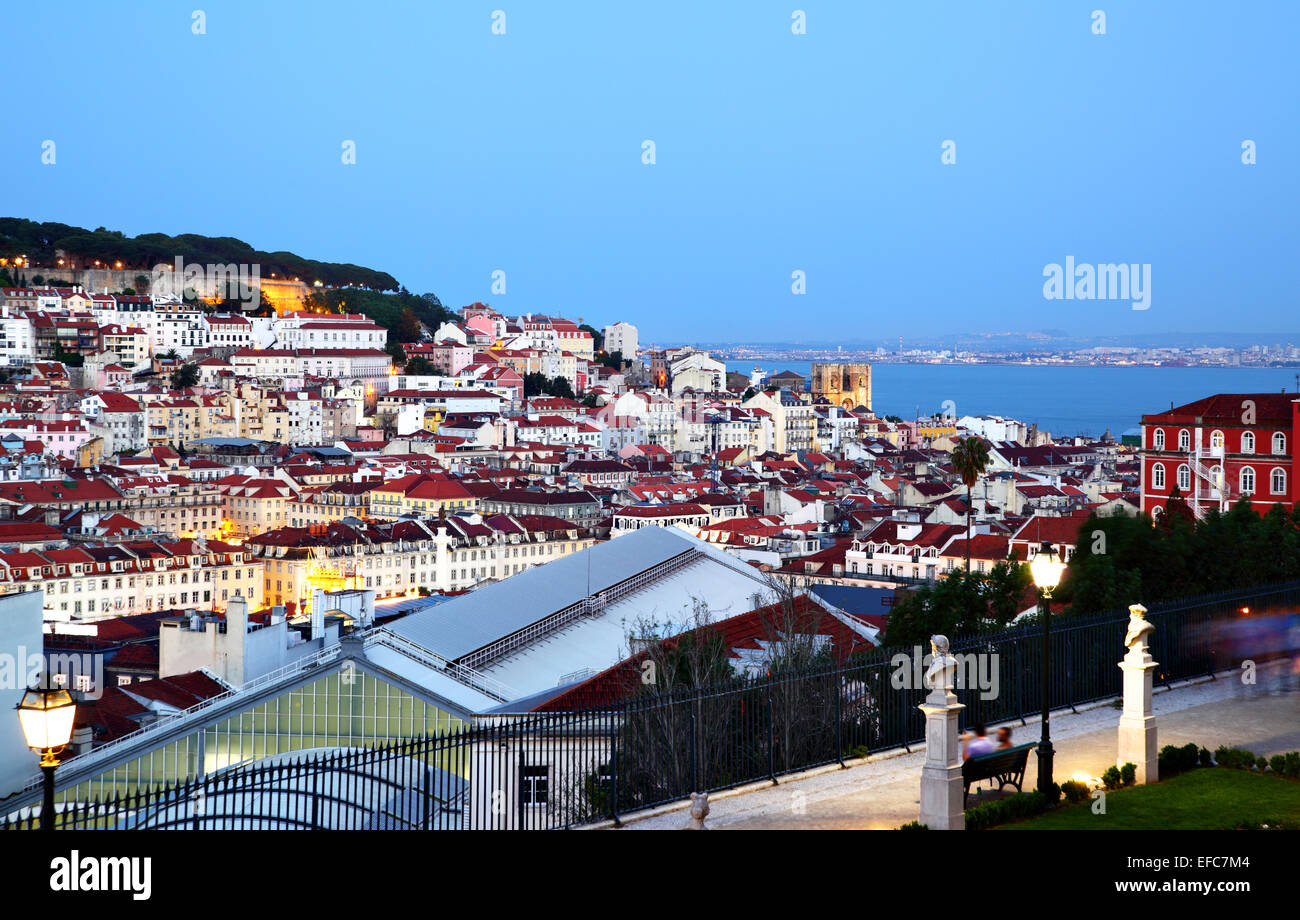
1279	442
533	785
1158	439
1277	481
1158	476
1184	440
1248	442
1247	480
1184	477
1216	440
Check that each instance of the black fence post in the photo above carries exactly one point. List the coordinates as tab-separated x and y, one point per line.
771	738
836	684
613	769
316	767
690	747
1069	671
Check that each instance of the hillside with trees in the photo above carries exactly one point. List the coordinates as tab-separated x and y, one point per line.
38	243
401	313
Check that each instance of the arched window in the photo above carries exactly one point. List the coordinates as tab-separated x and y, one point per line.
1277	481
1216	477
1279	442
1216	440
1184	440
1248	442
1184	477
1158	439
1247	480
1158	476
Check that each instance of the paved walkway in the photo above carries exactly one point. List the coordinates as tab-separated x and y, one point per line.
884	791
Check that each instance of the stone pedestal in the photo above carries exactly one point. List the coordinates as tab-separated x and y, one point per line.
942	793
1137	723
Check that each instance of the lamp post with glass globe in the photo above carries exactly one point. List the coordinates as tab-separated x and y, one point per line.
1047	569
46	714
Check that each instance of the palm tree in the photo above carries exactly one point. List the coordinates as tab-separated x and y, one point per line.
970	457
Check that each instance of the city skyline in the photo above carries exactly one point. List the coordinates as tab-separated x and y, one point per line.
774	153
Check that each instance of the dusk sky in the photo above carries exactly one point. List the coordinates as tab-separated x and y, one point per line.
774	153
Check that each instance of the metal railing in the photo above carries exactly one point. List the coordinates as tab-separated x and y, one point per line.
196	714
559	769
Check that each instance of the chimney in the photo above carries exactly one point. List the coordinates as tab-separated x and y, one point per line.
317	613
237	616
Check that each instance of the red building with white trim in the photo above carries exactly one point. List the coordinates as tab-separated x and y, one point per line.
1219	448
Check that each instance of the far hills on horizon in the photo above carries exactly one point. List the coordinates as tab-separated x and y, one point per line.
1037	342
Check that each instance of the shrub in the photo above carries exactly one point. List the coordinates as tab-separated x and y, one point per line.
914	826
1206	759
1234	758
1111	777
1261	763
1291	765
1174	760
1128	774
1012	808
1277	763
1075	792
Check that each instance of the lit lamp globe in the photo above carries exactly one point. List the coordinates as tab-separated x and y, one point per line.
1047	569
46	715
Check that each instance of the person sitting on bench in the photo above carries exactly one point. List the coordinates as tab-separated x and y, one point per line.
1004	737
979	745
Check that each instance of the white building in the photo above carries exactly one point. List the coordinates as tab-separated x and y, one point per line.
17	341
622	337
238	651
20	639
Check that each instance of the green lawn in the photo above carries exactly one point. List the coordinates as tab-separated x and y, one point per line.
1208	798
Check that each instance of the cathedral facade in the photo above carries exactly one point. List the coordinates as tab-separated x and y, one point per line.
845	385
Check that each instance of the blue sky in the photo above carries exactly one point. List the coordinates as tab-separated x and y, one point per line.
775	152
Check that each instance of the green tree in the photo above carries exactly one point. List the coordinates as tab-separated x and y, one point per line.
970	457
560	386
536	385
419	366
597	337
408	327
187	375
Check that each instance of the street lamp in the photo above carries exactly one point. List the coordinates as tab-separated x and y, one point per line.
46	714
1046	569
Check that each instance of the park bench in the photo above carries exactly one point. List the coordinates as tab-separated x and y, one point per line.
1007	767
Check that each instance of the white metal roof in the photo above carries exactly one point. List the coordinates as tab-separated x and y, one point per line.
602	641
470	622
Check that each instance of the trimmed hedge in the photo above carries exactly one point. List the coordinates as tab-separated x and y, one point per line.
1013	808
